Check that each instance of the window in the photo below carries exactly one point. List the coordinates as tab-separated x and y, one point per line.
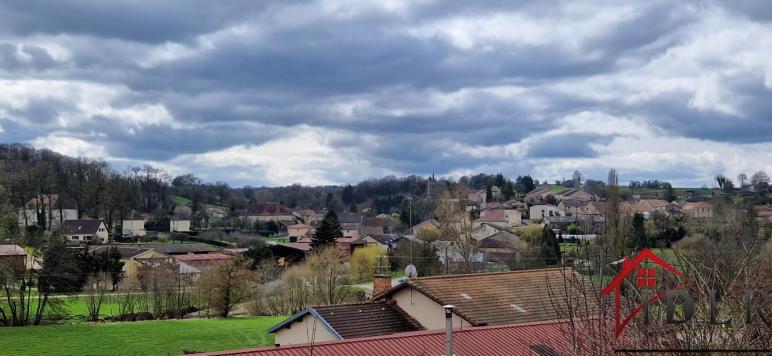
647	277
75	238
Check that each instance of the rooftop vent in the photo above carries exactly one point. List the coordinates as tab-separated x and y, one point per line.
519	308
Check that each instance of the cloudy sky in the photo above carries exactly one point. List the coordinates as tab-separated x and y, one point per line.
272	93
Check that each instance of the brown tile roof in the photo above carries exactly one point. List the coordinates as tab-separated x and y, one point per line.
496	215
203	257
504	297
359	320
541	338
696	204
269	208
376	221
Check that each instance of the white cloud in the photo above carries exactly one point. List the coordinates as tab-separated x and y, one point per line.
70	146
307	155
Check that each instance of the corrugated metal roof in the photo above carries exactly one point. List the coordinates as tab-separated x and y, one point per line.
522	339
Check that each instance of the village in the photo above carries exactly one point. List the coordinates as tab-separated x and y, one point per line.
511	257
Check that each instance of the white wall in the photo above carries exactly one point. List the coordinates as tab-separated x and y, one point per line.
425	310
301	332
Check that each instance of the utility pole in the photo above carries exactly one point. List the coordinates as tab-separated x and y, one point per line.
410	219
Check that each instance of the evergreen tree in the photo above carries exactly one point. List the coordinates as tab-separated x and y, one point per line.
328	231
638	240
488	193
348	194
549	249
508	190
353	208
670	194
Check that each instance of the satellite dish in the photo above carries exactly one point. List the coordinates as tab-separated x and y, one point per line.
410	271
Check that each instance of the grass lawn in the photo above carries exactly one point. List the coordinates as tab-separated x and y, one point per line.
165	337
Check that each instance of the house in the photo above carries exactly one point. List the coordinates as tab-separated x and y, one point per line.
133	258
202	262
500	247
571	206
350	223
48	209
12	257
188	248
576	194
698	210
270	211
499	217
296	231
482	299
287	254
541	211
344	321
389	241
216	212
309	216
545	338
179	223
429	224
133	224
587	224
85	231
539	194
593	208
377	225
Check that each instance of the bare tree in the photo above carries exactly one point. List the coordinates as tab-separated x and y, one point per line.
95	289
229	283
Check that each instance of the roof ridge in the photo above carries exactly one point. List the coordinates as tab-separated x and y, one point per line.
523	271
398	335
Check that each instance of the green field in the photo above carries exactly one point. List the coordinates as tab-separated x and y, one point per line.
165	337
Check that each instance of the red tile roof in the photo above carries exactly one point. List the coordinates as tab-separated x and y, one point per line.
522	339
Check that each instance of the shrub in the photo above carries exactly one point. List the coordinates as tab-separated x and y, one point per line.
363	261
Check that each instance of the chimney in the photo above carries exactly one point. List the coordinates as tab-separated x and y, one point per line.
381	277
448	329
381	283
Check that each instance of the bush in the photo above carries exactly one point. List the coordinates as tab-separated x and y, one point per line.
363	261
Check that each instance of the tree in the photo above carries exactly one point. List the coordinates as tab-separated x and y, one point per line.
760	181
258	253
549	247
577	177
488	193
347	195
363	261
95	289
721	180
742	179
353	208
329	231
328	276
229	283
670	194
508	190
639	239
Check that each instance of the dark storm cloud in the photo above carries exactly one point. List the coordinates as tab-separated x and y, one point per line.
411	87
145	21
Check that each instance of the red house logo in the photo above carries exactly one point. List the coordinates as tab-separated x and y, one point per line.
644	277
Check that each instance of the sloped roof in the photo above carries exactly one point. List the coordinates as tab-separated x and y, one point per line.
270	208
350	218
697	204
427	222
573	203
545	338
500	298
203	257
376	221
358	320
134	215
194	247
79	227
125	251
43	199
496	215
12	250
